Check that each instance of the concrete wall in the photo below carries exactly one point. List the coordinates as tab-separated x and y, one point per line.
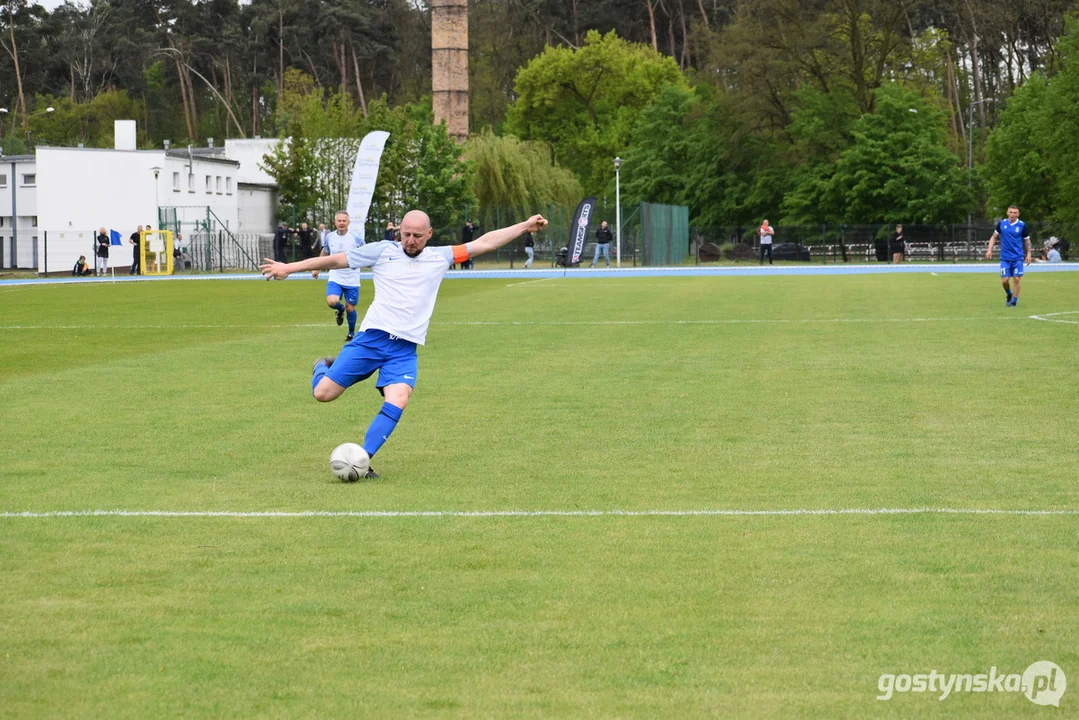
249	154
80	190
257	205
17	234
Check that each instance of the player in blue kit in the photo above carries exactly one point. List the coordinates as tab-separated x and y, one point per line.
343	283
1014	252
407	275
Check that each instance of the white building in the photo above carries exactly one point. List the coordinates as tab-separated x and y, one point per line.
63	195
18	212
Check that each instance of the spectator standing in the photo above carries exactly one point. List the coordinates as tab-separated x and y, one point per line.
766	233
898	246
280	241
603	244
467	233
101	255
136	242
322	233
530	249
307	241
391	232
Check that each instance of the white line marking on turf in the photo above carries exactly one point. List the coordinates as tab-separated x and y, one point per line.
1054	317
529	323
528	282
521	513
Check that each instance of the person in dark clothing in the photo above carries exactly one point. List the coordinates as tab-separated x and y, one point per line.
101	265
136	242
308	240
603	244
391	232
897	247
467	233
280	242
530	249
81	268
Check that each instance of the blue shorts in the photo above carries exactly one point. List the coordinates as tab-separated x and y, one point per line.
1011	268
350	294
393	357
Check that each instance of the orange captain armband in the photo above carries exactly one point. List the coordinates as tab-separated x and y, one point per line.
460	253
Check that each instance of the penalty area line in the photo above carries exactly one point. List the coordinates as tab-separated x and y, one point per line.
804	512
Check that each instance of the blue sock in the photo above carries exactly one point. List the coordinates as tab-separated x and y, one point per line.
339	306
381	428
320	372
351	315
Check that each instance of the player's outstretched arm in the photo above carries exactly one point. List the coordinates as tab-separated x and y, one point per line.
272	270
497	238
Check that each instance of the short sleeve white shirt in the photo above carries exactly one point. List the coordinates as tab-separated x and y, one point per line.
405	287
337	243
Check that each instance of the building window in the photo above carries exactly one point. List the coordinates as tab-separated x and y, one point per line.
3	180
218	184
191	182
228	185
176	181
209	188
29	179
33	221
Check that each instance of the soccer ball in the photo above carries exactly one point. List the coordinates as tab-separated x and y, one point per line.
349	462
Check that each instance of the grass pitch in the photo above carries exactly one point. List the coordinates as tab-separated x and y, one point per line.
668	394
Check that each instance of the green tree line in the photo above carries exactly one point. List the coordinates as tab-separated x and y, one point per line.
798	110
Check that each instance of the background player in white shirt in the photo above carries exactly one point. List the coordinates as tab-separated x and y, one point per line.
342	283
407	275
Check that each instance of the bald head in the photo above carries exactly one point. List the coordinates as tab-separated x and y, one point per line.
415	232
418	218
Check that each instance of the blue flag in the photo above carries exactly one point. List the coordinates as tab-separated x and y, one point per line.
117	238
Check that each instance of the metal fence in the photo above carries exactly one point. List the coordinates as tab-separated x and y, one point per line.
872	242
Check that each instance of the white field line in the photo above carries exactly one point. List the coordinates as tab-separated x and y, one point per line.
531	323
522	513
528	282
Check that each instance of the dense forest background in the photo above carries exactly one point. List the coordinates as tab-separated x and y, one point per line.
797	110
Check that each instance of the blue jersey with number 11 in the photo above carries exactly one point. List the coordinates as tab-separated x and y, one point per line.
1011	239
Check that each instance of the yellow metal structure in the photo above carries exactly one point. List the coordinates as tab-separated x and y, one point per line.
155	252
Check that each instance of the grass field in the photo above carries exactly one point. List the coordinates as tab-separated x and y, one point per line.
657	394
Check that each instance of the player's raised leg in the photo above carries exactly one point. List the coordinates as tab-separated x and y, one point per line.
333	300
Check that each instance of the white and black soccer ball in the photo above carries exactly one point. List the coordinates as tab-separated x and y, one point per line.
349	462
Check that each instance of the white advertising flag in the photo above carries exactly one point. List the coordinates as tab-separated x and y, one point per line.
364	175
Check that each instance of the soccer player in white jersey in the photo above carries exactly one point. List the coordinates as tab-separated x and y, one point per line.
407	275
342	282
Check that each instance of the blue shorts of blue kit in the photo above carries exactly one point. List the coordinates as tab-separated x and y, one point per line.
350	294
1011	268
393	357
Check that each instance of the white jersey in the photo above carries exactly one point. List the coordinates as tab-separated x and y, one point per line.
338	243
405	287
766	235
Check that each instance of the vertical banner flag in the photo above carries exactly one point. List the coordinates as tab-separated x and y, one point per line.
578	231
115	238
364	175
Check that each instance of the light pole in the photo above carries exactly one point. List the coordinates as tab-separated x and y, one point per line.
970	158
617	214
29	148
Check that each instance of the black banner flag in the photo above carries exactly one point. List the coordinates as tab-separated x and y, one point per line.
579	230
